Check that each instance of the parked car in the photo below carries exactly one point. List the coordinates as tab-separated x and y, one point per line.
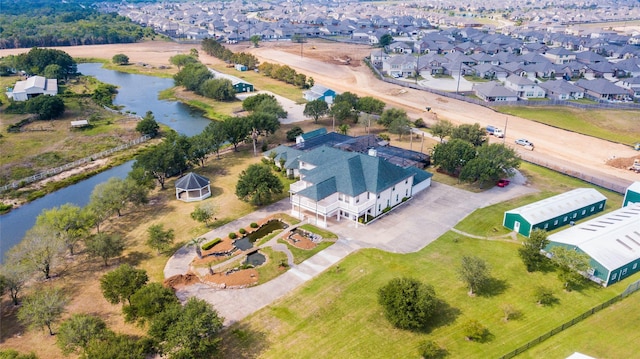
503	183
523	142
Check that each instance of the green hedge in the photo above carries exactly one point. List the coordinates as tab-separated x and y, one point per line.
210	245
242	231
233	235
253	225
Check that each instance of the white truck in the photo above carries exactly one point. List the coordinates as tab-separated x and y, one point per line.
495	131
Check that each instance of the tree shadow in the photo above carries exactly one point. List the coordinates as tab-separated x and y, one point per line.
493	287
11	327
136	257
445	314
216	191
242	342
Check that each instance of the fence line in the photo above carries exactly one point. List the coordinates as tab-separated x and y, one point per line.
630	289
68	166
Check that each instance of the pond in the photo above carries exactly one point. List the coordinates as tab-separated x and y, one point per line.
139	94
246	242
255	259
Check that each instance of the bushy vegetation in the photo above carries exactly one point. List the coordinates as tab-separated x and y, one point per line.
215	49
408	303
211	244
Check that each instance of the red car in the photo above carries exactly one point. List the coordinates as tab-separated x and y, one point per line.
503	183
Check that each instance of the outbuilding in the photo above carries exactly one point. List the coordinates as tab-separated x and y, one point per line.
632	195
193	187
612	241
556	211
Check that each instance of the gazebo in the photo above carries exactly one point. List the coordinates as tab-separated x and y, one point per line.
193	187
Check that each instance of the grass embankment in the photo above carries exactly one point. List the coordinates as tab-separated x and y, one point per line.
618	126
137	68
337	315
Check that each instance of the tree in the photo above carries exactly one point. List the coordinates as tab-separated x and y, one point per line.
442	129
216	136
316	109
192	76
218	89
344	129
199	148
474	272
121	283
255	40
53	71
46	107
408	303
13	354
400	126
530	250
181	60
149	301
195	243
167	159
385	40
257	184
69	223
571	265
491	163
120	59
473	134
191	331
453	155
341	111
294	132
391	114
203	213
43	308
348	97
75	332
105	246
39	250
370	105
159	239
544	295
15	275
237	129
148	125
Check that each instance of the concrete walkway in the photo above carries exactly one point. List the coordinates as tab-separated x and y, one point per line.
419	221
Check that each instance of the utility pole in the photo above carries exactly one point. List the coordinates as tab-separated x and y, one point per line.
504	135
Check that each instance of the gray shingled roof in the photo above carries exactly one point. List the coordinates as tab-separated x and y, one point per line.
192	181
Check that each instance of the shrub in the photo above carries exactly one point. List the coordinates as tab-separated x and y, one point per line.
544	295
210	245
420	123
408	303
474	330
233	235
386	209
242	231
253	225
431	350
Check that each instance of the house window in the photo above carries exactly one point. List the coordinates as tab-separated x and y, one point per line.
388	203
565	219
406	181
394	188
635	265
575	215
379	207
555	223
592	209
397	197
546	225
600	206
583	212
406	193
614	276
378	196
624	271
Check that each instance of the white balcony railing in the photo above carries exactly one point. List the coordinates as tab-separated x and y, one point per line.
297	186
326	207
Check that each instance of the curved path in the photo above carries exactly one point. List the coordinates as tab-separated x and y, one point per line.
407	229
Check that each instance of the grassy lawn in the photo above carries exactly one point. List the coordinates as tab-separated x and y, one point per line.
301	255
613	125
167	72
613	327
337	315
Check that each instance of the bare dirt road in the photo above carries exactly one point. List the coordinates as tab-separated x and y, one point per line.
339	66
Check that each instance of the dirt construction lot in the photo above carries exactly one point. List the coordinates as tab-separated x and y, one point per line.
339	66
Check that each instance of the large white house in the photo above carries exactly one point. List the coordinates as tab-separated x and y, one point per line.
341	184
32	87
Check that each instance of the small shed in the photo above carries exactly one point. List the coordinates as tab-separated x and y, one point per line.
632	195
556	211
240	67
612	241
193	187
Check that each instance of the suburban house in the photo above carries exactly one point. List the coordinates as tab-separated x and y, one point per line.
555	212
601	89
560	55
562	90
319	92
494	92
632	84
632	194
350	185
239	85
524	88
400	66
32	87
612	241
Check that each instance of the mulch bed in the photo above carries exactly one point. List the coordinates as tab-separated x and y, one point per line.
181	280
300	241
245	277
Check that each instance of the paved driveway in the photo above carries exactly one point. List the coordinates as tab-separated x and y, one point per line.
409	228
294	110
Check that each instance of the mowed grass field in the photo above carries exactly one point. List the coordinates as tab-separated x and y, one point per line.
614	125
337	315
